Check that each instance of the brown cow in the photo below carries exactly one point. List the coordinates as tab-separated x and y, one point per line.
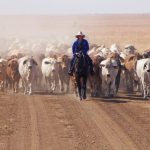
13	74
130	72
96	80
63	71
2	75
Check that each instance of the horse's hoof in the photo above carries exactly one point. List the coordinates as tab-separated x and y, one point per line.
84	97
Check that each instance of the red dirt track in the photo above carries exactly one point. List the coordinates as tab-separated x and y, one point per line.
61	122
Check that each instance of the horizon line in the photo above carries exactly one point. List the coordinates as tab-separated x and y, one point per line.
71	14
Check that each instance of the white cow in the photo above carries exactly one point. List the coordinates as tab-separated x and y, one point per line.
143	72
105	52
50	73
129	49
114	48
28	71
109	73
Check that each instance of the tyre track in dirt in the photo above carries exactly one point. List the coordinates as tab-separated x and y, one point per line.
21	139
84	132
48	139
34	124
61	122
114	133
130	118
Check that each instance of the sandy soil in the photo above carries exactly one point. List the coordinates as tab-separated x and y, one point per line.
61	122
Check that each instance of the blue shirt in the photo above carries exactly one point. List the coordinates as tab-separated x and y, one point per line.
80	46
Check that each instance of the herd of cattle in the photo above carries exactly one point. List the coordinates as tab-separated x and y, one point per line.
113	68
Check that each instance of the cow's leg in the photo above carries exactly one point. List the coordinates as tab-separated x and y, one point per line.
144	89
62	85
148	91
47	84
15	87
91	85
106	90
113	90
2	86
127	79
145	93
74	85
104	87
99	91
67	83
53	86
30	88
109	89
117	82
25	86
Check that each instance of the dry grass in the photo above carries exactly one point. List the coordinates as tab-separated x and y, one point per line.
100	29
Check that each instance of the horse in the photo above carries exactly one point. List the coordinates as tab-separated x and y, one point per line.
81	70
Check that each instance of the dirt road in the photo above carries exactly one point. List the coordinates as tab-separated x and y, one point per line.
60	122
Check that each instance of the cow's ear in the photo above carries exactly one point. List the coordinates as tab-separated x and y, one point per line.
144	66
35	62
24	62
101	65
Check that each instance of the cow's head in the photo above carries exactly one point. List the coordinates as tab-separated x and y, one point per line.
109	68
65	62
106	68
13	67
51	62
30	63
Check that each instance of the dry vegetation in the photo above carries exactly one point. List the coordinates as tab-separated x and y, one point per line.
100	29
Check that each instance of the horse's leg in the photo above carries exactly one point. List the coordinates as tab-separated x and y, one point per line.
84	87
79	86
91	85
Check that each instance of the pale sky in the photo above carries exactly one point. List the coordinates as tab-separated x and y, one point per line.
73	6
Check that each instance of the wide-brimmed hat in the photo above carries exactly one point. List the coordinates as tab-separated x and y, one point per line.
79	34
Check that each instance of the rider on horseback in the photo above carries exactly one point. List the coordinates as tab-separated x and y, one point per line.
80	45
